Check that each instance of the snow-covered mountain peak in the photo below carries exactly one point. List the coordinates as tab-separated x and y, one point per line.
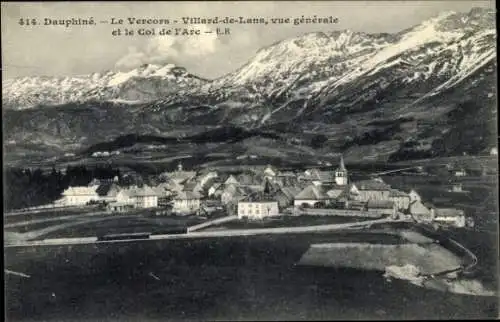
145	83
446	46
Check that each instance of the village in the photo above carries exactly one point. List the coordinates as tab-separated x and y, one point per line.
261	194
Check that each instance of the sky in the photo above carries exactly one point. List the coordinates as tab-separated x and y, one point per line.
67	51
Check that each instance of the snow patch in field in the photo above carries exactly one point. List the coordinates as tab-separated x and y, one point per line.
411	273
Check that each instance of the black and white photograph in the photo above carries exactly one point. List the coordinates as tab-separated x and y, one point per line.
250	161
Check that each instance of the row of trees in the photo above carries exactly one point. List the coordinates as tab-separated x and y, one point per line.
29	188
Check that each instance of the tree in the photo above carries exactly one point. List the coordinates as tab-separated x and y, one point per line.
319	205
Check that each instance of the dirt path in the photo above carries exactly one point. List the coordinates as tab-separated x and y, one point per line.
40	232
44	220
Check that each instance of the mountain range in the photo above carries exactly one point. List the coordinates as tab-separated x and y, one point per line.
429	90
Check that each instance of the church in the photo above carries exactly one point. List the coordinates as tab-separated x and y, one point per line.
325	187
318	177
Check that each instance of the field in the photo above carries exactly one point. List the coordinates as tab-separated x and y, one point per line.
30	227
124	224
210	279
46	214
287	221
103	224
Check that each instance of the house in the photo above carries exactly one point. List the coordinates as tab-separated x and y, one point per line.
163	193
382	207
215	190
419	211
207	184
494	151
317	177
286	196
414	196
249	178
179	176
231	181
144	197
232	193
335	191
258	205
456	187
460	173
79	195
449	216
186	202
94	182
287	178
98	182
253	181
341	175
311	196
193	186
400	198
207	177
374	189
174	187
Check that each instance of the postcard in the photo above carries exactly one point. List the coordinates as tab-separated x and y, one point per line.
253	160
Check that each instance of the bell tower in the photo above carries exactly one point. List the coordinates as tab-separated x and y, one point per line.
341	178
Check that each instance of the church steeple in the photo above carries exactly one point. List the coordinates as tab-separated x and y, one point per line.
341	177
342	165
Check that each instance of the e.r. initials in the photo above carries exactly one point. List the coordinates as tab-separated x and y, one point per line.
226	31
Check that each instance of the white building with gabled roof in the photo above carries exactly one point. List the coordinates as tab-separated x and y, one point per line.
144	197
258	205
186	202
79	196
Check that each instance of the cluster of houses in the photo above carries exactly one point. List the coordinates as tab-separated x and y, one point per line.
261	193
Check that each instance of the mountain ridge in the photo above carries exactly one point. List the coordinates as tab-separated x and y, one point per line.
330	83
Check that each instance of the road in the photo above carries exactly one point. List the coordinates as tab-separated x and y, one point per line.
209	234
471	255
